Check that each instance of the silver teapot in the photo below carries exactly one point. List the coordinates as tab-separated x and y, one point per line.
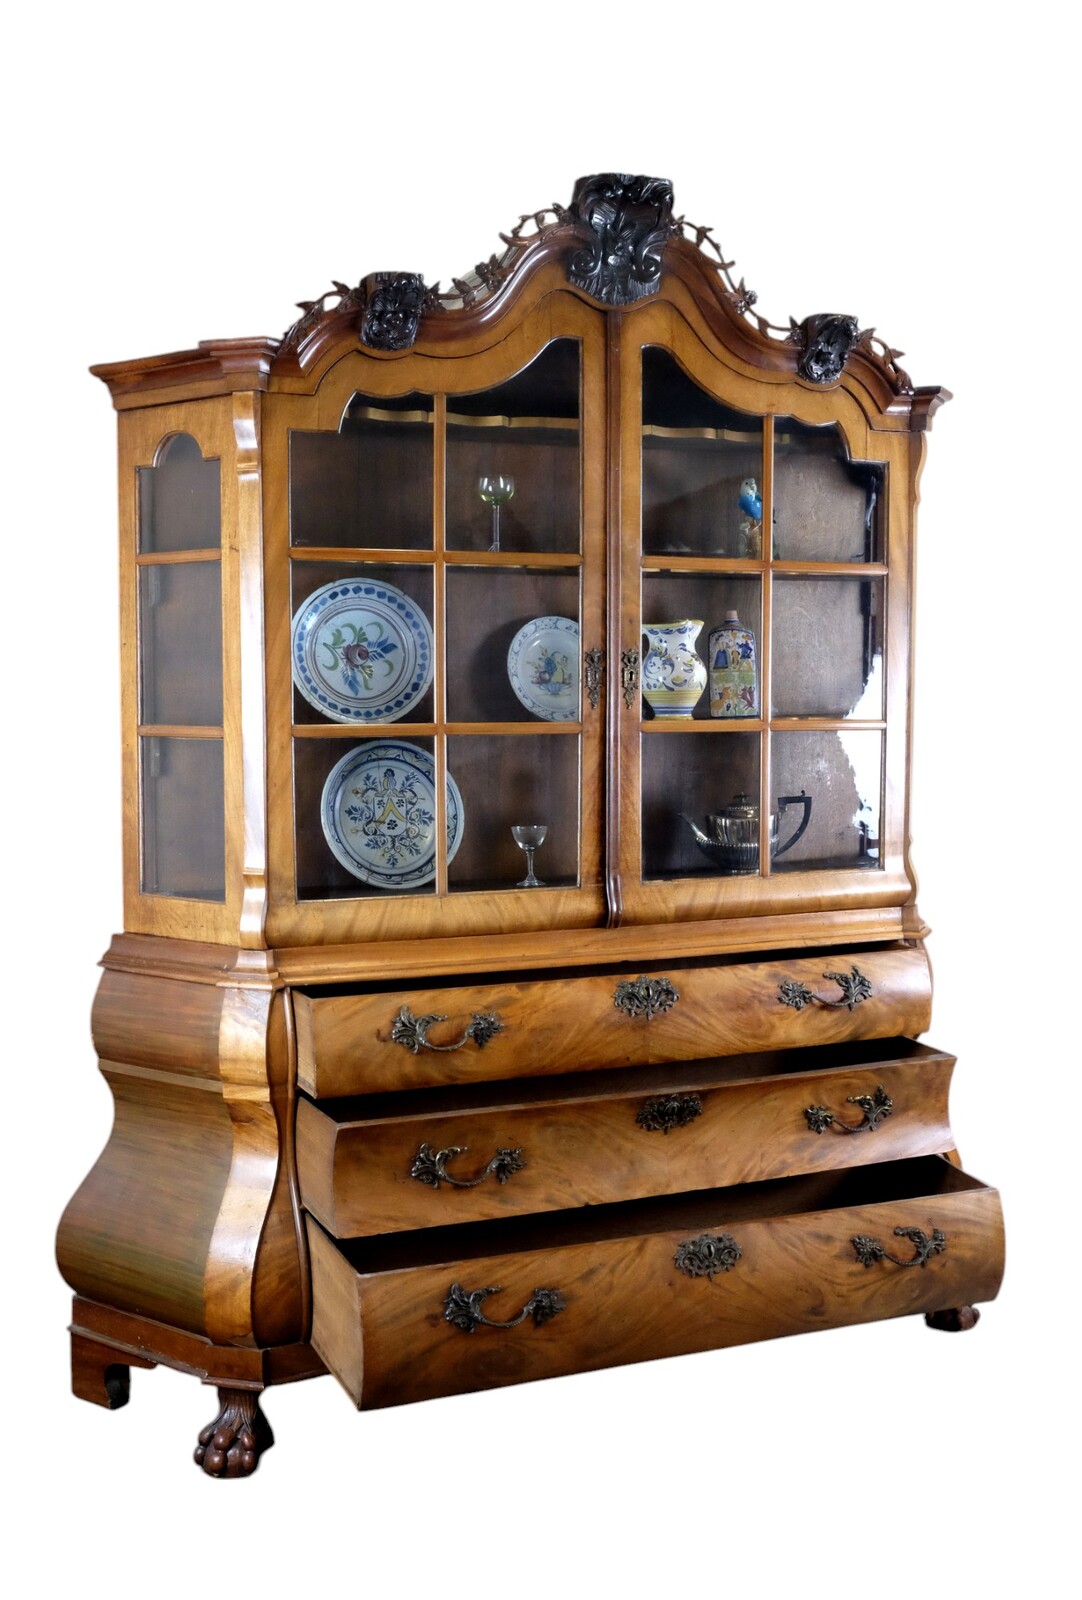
732	842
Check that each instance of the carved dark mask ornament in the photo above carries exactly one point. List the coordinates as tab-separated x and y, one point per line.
629	219
925	1246
827	341
392	310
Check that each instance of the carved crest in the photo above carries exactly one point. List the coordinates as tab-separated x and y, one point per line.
828	340
392	310
629	219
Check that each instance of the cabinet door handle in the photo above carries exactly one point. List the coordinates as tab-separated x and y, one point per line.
874	1106
667	1111
645	997
925	1246
629	676
595	672
464	1308
855	988
412	1032
707	1255
430	1166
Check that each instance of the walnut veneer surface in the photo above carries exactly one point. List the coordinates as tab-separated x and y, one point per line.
470	1133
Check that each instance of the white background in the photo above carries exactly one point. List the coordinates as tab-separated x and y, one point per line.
178	173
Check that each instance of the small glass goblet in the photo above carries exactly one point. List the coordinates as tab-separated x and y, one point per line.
529	837
495	492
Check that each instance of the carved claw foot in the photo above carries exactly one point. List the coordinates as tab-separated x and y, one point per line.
101	1374
958	1319
231	1445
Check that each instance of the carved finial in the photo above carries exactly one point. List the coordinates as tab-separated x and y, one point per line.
629	219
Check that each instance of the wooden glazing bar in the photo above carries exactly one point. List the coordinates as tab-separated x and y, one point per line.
362	555
176	730
370	730
766	787
825	724
439	630
525	728
510	558
174	558
703	725
829	569
718	564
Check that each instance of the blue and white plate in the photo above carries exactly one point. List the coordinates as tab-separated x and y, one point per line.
361	651
379	814
543	666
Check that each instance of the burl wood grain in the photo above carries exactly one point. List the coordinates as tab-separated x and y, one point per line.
385	1336
572	1024
588	1149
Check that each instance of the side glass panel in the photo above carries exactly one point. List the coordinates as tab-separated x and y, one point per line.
369	485
183	817
180	643
701	467
180	499
826	507
513	460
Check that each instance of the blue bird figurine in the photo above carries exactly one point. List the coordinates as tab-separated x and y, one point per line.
751	501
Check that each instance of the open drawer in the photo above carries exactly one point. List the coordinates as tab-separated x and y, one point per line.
379	1163
447	1310
463	1033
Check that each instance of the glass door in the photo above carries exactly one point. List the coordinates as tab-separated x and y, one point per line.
446	604
755	570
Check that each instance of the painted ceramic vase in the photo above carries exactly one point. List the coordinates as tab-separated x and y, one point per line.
734	672
673	675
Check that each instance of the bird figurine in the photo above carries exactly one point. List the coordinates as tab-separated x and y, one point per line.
751	501
751	504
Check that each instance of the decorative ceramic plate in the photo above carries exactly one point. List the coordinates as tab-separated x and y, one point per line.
379	814
543	666
361	651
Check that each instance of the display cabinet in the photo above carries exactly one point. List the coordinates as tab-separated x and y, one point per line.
521	969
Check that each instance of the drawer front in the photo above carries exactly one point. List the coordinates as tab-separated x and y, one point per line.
694	1131
358	1044
416	1332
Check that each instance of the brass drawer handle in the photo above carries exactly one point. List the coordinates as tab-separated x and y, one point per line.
430	1166
644	997
595	671
464	1308
667	1111
707	1255
925	1246
412	1032
874	1106
854	985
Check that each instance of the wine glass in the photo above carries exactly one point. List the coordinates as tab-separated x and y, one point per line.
529	837
495	492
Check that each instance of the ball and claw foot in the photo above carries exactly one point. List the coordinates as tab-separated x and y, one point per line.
958	1319
231	1445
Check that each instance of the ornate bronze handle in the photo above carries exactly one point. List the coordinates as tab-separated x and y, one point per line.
464	1308
430	1166
874	1106
595	671
412	1032
870	1250
645	997
855	988
707	1255
667	1111
629	676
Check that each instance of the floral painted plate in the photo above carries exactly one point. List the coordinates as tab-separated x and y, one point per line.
379	814
361	651
543	666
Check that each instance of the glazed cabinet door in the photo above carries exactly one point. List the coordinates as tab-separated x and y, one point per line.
763	619
435	607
